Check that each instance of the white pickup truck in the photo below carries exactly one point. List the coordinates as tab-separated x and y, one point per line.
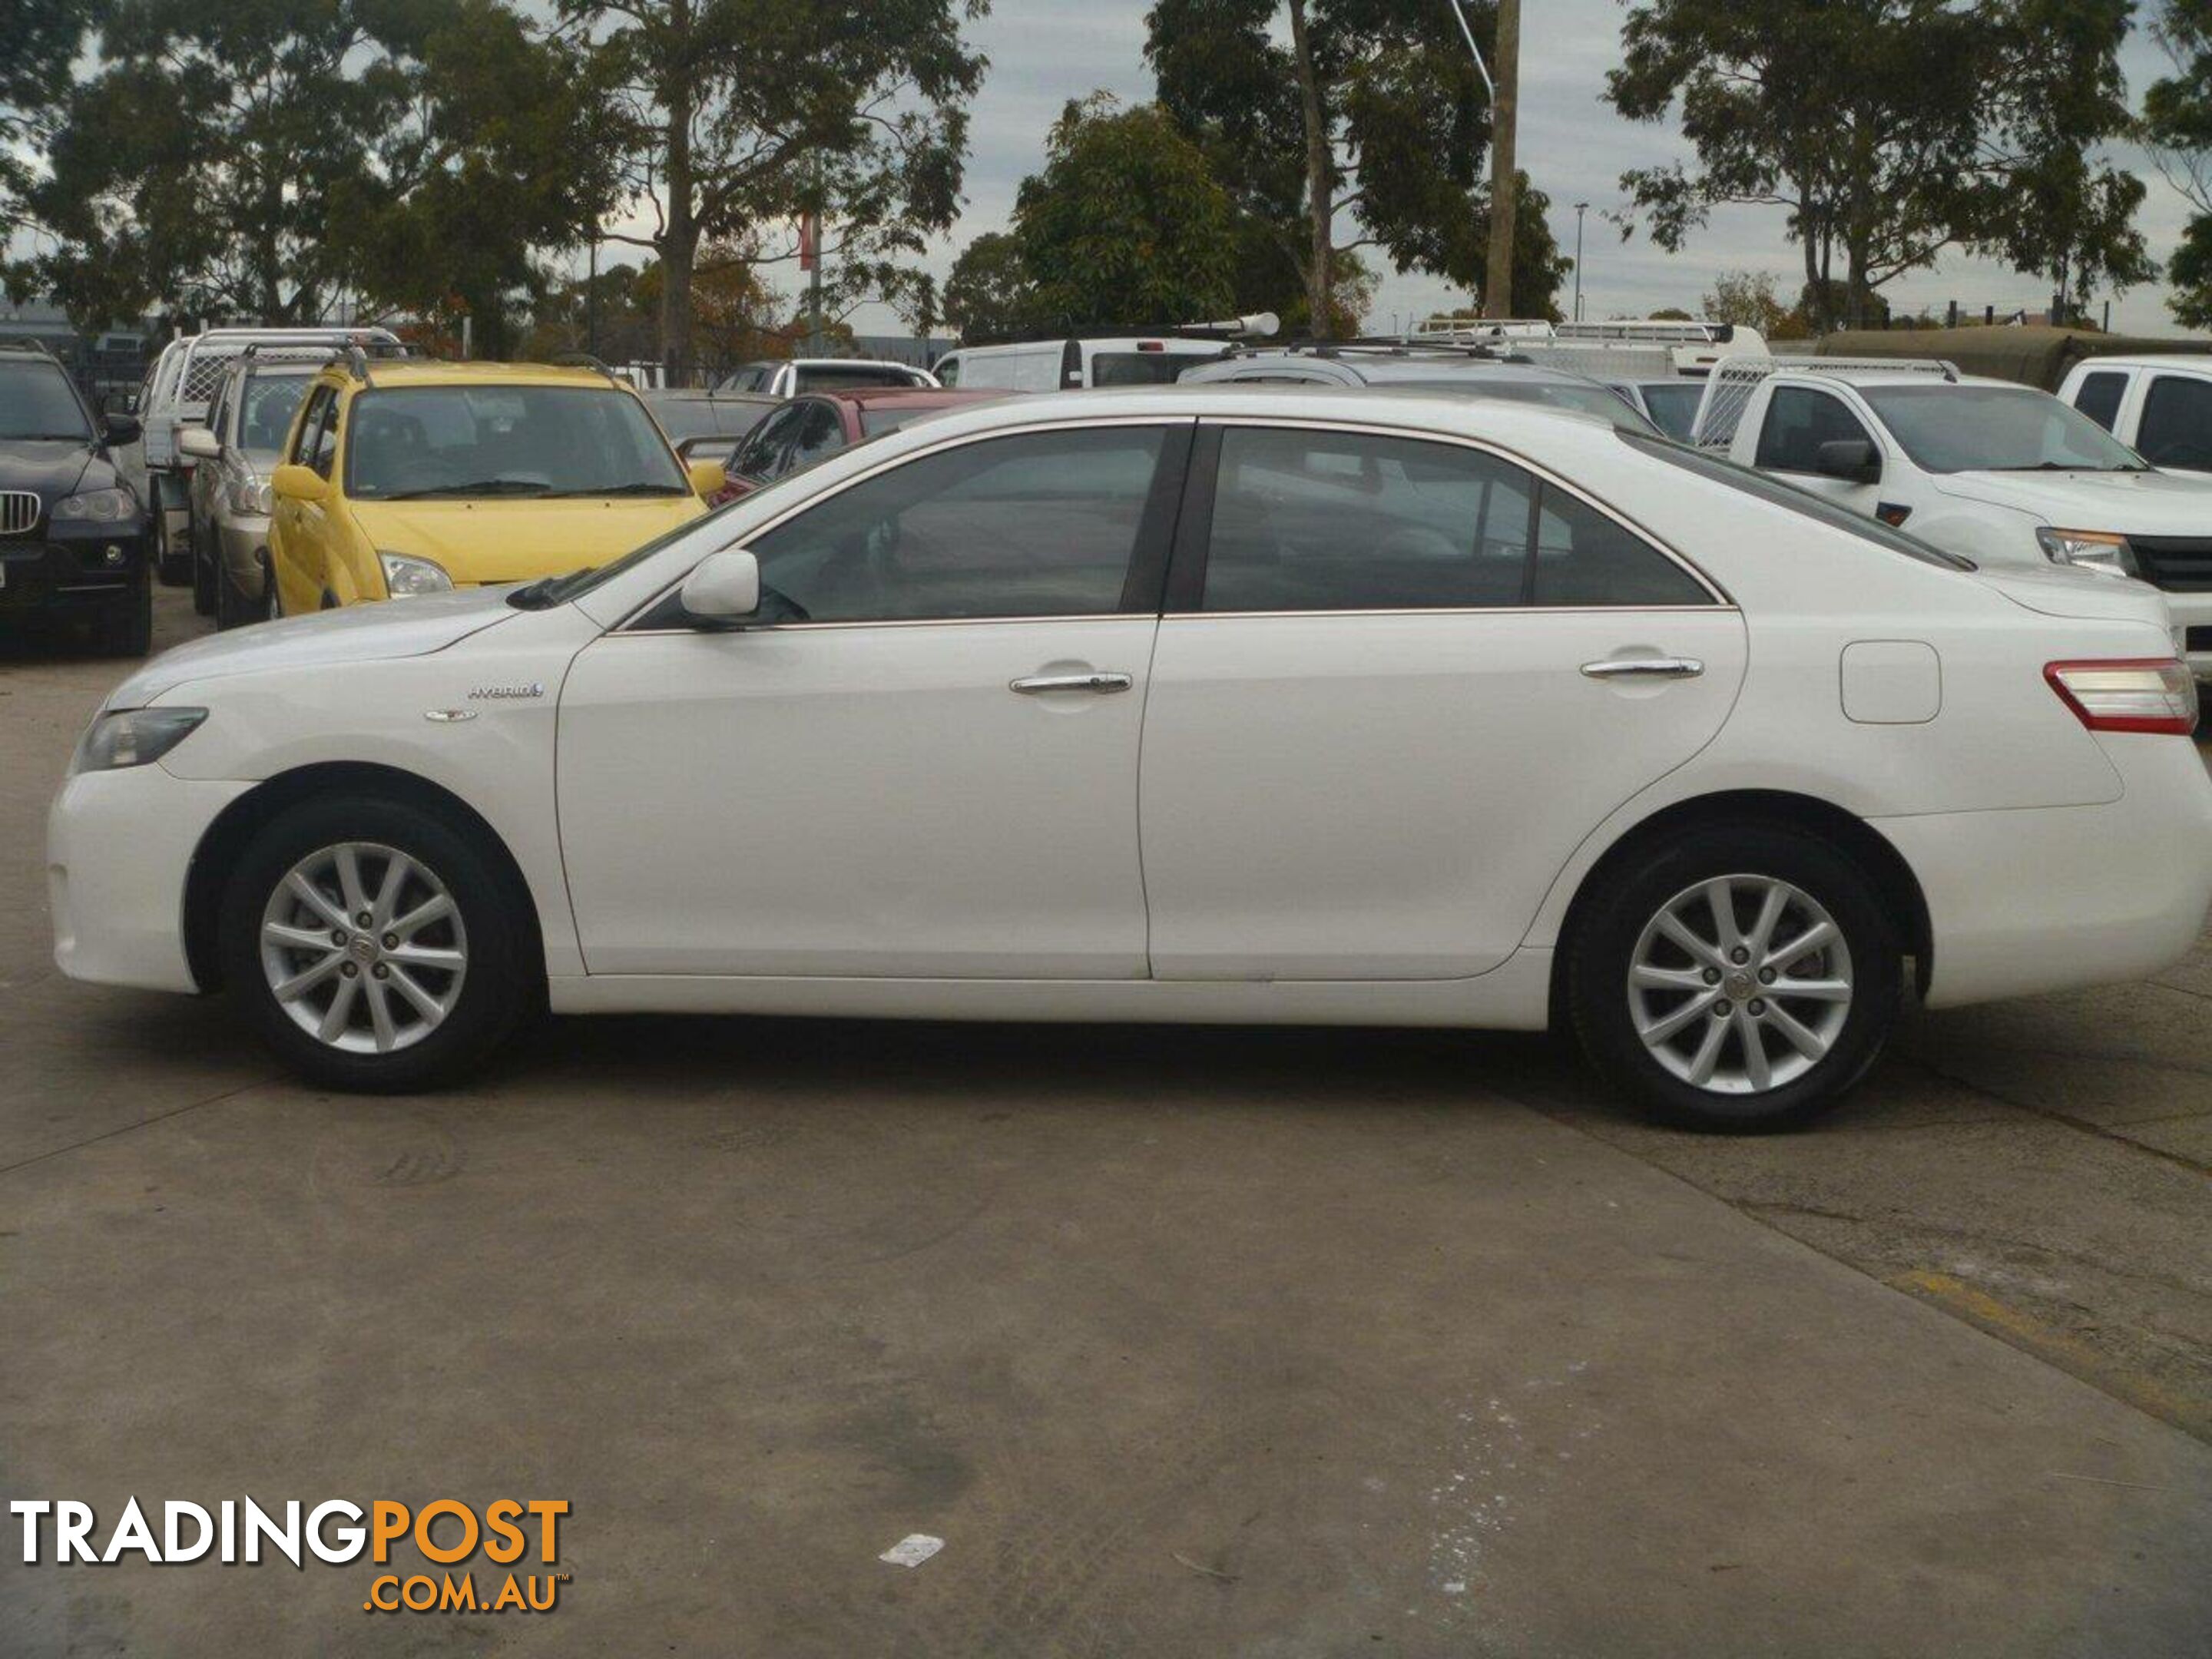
2001	473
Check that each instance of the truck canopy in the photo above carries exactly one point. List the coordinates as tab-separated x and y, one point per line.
2033	356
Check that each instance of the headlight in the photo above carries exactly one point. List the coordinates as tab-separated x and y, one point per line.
2092	550
405	577
98	506
134	737
250	496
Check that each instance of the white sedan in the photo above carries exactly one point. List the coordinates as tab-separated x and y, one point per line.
1219	703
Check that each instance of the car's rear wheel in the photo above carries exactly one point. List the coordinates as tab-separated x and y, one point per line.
376	946
1736	980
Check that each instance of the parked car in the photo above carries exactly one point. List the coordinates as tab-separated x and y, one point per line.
686	416
1467	373
812	428
1307	706
1670	405
404	479
789	377
2159	406
1072	362
179	386
74	539
2001	473
235	454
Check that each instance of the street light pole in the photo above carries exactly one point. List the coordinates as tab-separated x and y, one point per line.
1503	87
1581	208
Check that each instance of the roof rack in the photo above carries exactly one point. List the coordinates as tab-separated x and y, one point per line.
1496	351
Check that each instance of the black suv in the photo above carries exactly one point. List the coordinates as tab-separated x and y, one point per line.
73	533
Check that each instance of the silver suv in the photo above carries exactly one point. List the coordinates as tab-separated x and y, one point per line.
1473	371
235	454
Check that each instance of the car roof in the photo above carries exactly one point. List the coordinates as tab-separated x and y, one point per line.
2201	362
1878	377
401	372
913	396
1380	367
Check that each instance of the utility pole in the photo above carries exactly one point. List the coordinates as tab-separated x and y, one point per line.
1581	208
1498	292
592	293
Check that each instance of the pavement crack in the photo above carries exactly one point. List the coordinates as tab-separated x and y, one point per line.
128	1128
2086	1126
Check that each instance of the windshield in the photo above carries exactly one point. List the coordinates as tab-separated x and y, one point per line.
37	401
461	441
1143	368
271	401
1772	491
1674	405
1996	428
1589	399
876	420
828	377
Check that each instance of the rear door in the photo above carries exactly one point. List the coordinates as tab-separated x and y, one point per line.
1389	700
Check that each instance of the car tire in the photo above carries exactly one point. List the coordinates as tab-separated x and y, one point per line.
473	971
127	630
1699	1035
232	609
172	565
207	579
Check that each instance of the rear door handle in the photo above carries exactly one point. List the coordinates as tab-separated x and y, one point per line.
1644	668
1101	683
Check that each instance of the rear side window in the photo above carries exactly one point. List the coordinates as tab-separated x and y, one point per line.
2176	429
1799	420
2099	397
1306	521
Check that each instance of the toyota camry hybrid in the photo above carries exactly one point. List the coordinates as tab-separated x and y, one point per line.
1269	704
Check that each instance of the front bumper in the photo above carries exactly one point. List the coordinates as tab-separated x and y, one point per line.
2021	903
243	544
95	565
119	848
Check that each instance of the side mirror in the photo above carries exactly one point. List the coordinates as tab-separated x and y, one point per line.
120	429
706	478
1852	459
198	442
723	589
294	483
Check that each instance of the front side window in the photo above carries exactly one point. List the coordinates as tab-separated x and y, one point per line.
1799	420
1306	521
37	401
1996	428
2099	397
465	441
317	439
2176	429
1042	524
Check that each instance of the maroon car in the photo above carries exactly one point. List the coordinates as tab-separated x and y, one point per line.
817	424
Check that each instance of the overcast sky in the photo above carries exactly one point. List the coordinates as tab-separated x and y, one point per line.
1043	53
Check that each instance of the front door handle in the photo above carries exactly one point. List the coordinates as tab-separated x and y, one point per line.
1644	668
1101	683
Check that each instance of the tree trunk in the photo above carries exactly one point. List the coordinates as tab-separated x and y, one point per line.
1320	277
679	243
1504	183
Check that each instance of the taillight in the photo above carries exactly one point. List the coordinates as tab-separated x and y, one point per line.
2138	694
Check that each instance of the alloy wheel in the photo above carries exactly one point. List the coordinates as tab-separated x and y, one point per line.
363	948
1740	984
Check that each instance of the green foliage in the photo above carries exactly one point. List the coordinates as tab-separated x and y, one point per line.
2177	125
1747	299
1887	129
41	39
739	115
1405	130
1126	224
990	295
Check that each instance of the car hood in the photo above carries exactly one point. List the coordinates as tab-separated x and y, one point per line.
2141	503
513	541
2088	595
360	633
54	467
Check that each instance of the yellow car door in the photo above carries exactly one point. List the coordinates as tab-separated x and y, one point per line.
300	529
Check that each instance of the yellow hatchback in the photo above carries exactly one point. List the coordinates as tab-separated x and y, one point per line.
402	478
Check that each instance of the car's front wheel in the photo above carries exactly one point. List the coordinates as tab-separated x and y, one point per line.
375	945
1736	980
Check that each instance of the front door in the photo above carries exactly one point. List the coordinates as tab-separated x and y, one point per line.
921	762
1799	419
1399	681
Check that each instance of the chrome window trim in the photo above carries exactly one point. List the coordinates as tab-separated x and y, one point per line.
1720	599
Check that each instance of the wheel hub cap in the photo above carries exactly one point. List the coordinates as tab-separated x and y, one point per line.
1740	984
363	948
